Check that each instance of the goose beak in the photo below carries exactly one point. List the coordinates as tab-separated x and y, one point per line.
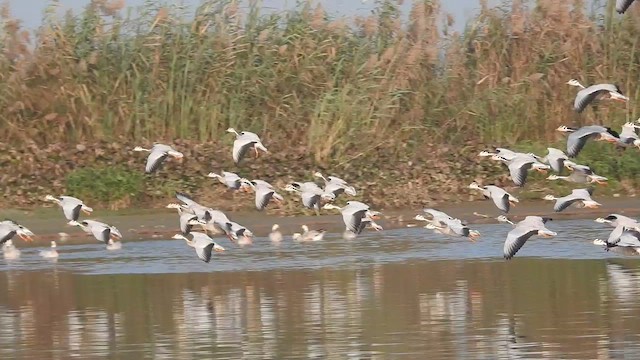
88	212
218	248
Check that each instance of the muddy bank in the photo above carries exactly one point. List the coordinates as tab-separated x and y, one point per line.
162	224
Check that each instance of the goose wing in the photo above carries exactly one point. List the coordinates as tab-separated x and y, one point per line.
310	199
203	245
629	238
71	210
623	5
565	201
155	158
263	196
185	217
519	235
519	169
240	147
100	232
578	139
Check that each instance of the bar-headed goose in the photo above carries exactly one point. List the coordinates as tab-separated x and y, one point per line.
355	215
10	251
187	219
157	154
244	141
70	205
502	199
581	174
556	159
442	223
309	235
587	95
616	220
582	197
101	231
51	253
335	185
520	165
522	231
628	135
230	179
10	228
577	138
275	235
311	194
264	191
203	244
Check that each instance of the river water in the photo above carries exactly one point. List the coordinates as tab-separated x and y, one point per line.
398	294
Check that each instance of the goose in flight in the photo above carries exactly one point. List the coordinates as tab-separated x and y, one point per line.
240	234
581	174
506	154
203	244
311	194
587	95
265	192
10	251
577	138
157	154
502	199
336	185
356	216
520	165
616	220
244	141
101	231
579	196
628	135
445	224
623	5
51	253
10	228
522	231
556	159
214	221
187	219
230	179
70	205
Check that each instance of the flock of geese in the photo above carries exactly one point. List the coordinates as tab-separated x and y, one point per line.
358	216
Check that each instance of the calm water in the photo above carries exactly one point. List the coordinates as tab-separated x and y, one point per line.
401	294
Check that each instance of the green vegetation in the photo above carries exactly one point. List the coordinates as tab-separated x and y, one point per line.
115	186
315	86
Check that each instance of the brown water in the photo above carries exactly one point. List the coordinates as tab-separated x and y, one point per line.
402	294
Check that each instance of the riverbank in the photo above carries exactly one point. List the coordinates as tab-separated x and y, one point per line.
162	224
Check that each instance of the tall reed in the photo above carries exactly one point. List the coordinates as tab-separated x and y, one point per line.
340	87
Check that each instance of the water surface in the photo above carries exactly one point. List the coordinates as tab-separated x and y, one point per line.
399	294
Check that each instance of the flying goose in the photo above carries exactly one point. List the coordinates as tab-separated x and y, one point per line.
579	196
214	221
70	205
335	185
520	165
577	138
275	235
580	174
628	135
355	215
522	231
203	244
447	225
9	251
556	159
616	220
586	95
623	5
157	154
187	219
10	228
265	192
230	179
244	141
502	199
622	240
311	194
505	154
240	234
101	231
52	253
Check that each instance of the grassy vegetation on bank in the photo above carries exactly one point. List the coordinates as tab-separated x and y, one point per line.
361	96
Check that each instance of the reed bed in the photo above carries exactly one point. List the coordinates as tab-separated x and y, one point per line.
341	89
